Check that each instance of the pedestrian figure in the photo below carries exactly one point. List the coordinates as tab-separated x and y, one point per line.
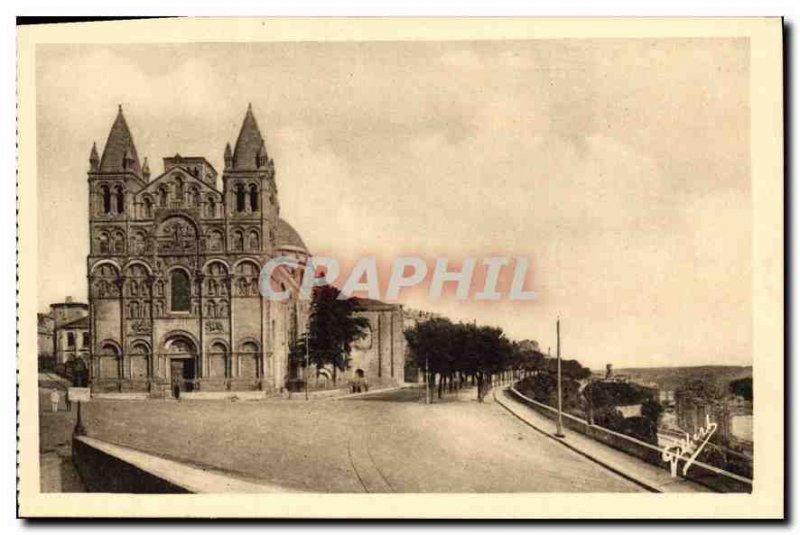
54	397
67	401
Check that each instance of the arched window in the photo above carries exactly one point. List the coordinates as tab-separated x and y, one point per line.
148	207
180	291
106	193
119	243
137	242
162	196
120	194
252	240
214	242
253	198
238	240
239	198
211	207
179	189
102	241
194	196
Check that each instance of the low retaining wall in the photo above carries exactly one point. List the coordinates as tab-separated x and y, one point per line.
709	476
106	467
102	471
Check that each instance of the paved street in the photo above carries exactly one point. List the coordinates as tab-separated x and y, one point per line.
55	433
388	442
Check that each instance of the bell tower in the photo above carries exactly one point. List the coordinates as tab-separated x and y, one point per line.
113	179
250	191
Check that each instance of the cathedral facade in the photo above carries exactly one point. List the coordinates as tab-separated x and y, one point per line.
173	270
173	276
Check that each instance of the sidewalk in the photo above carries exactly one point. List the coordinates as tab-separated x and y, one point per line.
56	472
649	476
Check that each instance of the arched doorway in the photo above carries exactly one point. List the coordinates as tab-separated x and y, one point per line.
181	353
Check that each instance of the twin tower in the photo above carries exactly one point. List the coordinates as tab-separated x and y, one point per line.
173	270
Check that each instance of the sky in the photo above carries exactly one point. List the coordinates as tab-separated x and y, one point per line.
619	168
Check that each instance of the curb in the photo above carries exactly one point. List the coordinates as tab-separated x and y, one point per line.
364	394
592	458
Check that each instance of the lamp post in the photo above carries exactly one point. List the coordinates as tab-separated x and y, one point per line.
79	429
305	374
427	384
559	423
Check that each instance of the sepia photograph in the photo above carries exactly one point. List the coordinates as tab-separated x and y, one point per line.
535	262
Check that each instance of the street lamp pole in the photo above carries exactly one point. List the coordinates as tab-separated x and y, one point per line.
305	374
427	384
559	424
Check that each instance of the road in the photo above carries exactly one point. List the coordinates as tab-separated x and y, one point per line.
389	442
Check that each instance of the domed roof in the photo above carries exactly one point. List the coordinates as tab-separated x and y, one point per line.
286	237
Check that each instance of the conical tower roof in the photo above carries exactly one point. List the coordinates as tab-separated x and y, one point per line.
145	168
118	146
248	144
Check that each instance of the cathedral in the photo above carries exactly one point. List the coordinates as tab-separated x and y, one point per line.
173	276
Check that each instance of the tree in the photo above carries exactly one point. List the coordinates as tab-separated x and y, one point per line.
742	387
432	345
448	350
333	328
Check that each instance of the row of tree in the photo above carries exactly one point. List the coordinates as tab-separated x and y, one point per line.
455	353
449	353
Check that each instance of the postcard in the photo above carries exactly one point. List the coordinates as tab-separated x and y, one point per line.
401	268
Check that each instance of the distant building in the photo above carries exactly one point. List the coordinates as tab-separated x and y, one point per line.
68	311
72	341
692	412
617	378
45	329
63	333
381	354
412	317
630	411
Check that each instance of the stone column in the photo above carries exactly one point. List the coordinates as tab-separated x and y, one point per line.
232	348
151	363
203	368
93	368
119	282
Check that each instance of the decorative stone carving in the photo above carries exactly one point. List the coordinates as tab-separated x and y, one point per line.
215	327
141	327
177	237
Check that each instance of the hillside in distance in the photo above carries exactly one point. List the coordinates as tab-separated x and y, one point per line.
671	378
